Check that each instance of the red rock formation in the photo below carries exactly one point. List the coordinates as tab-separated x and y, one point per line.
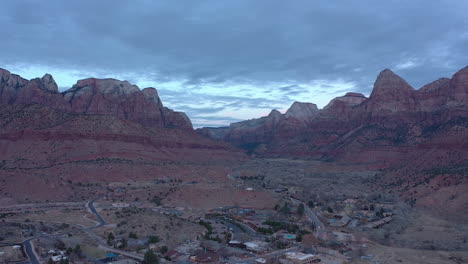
108	97
417	138
391	94
341	107
16	90
393	115
301	112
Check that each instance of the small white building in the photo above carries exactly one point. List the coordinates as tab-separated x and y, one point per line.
300	258
58	258
256	246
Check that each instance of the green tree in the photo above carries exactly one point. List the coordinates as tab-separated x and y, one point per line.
300	209
124	243
285	209
150	258
311	204
299	238
163	250
77	251
153	239
110	238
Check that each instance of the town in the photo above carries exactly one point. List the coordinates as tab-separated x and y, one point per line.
113	229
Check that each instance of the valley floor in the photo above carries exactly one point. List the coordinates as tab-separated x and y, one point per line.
258	210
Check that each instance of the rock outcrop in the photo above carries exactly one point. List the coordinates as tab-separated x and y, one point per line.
334	131
302	112
391	94
97	132
340	107
93	96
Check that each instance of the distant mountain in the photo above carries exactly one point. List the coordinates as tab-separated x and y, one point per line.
418	138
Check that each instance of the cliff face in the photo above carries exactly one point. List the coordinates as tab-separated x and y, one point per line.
99	131
386	127
416	139
93	96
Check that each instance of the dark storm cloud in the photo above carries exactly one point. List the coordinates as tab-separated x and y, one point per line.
202	43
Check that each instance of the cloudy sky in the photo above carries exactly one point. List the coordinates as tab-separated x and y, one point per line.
223	61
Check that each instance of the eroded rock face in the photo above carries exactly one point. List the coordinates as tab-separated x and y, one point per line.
458	88
109	97
17	90
391	94
115	98
349	120
303	112
433	95
341	107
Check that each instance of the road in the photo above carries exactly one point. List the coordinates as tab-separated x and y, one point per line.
232	227
93	210
28	248
321	231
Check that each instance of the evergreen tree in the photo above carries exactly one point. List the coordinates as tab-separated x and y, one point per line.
150	258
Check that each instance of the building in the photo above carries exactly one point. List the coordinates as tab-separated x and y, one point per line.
236	243
205	257
256	246
379	223
301	258
339	220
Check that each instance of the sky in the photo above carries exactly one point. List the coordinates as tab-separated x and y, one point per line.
222	61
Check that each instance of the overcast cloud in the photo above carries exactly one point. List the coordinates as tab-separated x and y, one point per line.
224	61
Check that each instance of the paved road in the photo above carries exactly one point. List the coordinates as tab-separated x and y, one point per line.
29	251
91	207
28	247
232	227
321	229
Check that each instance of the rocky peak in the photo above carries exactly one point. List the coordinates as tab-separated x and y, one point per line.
275	113
460	77
458	87
107	86
302	111
4	73
12	80
46	83
352	94
391	93
49	83
390	84
152	95
435	85
341	106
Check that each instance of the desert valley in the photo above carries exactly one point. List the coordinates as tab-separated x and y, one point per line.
103	172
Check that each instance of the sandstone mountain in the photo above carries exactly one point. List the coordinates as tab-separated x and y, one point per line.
108	97
97	132
416	138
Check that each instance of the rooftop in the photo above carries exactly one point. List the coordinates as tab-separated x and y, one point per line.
299	255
